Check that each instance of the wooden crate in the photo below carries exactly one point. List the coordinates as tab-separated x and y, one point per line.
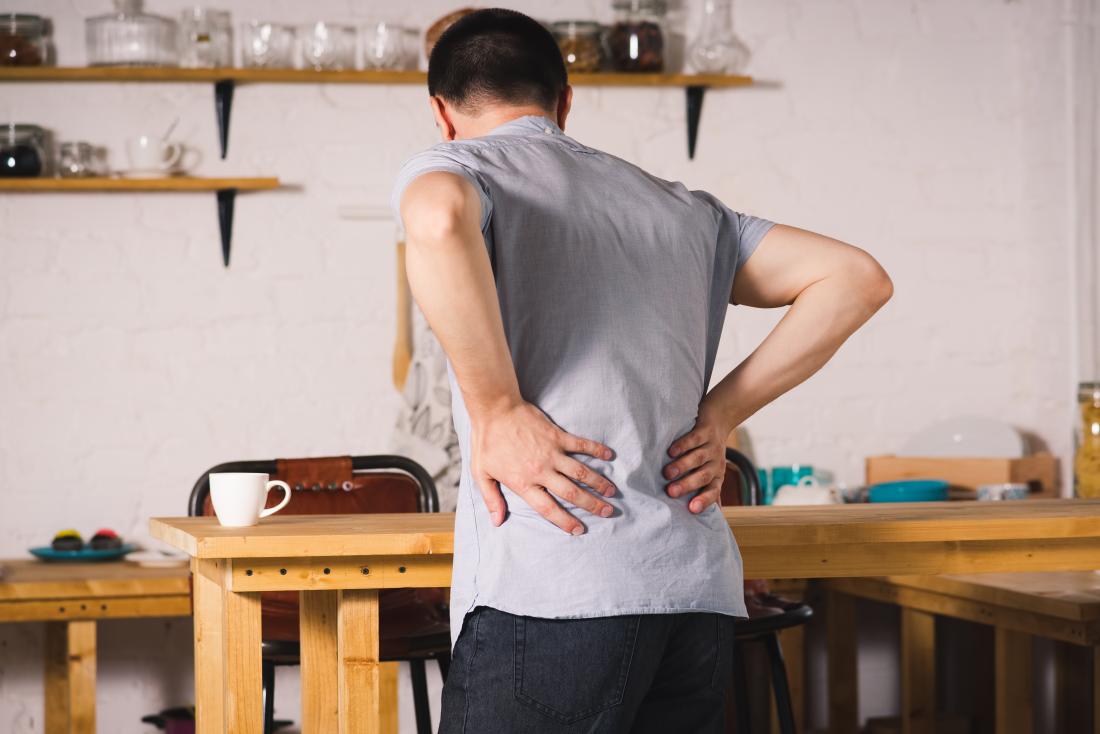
1040	471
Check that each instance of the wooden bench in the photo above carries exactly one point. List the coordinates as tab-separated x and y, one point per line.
1057	605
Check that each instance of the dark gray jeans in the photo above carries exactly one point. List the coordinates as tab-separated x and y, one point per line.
638	673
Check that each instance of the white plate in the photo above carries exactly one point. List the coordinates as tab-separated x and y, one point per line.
966	437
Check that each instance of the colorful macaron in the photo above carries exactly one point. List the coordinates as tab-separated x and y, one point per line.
105	539
67	540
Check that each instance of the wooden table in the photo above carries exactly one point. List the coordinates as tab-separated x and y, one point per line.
70	597
1057	605
339	563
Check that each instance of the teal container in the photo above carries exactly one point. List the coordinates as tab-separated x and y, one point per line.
784	475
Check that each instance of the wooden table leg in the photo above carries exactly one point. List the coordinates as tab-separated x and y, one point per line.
1012	687
228	674
840	629
387	695
70	668
320	665
918	672
359	674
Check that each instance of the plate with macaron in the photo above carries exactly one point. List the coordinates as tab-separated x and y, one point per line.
68	545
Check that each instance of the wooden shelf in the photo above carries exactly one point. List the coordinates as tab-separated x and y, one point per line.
226	190
310	76
168	183
225	81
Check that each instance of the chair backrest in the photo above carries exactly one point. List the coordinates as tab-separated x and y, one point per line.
335	485
742	483
327	486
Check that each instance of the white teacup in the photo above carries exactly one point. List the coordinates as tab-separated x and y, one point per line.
153	156
239	497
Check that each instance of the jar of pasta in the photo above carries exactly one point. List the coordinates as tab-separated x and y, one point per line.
579	41
1086	463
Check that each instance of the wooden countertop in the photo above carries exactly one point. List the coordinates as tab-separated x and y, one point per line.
776	542
28	579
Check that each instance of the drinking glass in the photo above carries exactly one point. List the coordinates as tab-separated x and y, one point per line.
327	46
206	38
383	45
266	45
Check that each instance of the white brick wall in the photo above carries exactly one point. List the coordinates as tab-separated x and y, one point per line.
931	133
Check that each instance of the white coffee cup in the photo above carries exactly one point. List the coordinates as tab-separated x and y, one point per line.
239	497
150	155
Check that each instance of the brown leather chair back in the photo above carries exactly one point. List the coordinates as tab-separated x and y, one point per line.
325	486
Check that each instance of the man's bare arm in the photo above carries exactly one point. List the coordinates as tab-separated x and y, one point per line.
832	289
512	441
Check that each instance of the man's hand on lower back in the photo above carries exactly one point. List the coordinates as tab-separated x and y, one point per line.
699	461
519	447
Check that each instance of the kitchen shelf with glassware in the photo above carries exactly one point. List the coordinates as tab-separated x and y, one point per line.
133	45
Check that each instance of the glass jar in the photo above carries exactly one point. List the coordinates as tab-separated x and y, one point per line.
717	49
130	37
22	151
1086	462
579	41
23	40
206	38
636	41
76	160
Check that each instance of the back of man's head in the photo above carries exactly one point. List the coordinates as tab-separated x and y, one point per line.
496	56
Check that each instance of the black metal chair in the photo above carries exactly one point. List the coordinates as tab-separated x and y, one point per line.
768	615
414	622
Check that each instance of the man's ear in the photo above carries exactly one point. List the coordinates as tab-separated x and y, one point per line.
442	118
565	103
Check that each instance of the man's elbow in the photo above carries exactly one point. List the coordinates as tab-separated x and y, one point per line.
872	283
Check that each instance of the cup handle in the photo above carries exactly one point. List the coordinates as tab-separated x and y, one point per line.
286	497
172	154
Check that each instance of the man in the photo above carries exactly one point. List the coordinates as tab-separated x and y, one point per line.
580	301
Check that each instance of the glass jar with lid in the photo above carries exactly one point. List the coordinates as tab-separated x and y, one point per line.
636	41
579	41
22	151
131	37
1086	462
23	40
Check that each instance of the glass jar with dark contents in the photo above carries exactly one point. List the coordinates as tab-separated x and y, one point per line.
22	151
23	40
636	41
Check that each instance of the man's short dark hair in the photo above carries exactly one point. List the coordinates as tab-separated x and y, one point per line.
497	55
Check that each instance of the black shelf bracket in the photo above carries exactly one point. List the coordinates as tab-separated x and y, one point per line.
223	103
226	199
694	94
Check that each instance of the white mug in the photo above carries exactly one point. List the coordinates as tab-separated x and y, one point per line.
148	154
239	497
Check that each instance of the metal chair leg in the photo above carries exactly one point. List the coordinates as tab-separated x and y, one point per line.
420	696
740	692
444	660
784	710
268	676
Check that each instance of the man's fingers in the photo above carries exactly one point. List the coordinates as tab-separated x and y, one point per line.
712	495
691	460
494	498
578	472
698	479
693	439
561	487
545	505
588	447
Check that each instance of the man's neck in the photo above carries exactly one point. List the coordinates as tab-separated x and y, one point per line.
496	116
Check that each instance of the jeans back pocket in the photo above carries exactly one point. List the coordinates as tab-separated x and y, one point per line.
569	669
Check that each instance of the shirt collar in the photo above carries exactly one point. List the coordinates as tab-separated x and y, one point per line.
527	125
